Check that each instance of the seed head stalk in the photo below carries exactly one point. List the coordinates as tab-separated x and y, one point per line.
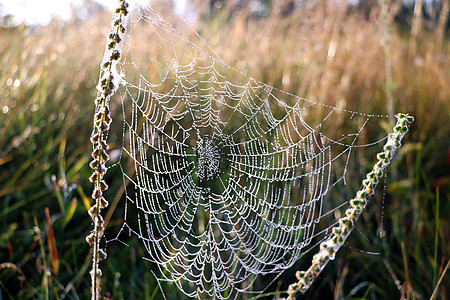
329	247
108	84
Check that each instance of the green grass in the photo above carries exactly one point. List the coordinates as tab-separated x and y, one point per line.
48	78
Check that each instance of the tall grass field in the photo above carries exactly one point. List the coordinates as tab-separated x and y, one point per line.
376	58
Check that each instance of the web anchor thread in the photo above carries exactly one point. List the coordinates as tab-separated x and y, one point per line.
340	233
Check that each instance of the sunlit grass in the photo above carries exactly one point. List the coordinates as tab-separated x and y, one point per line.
326	53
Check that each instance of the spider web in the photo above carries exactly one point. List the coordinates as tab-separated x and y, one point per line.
226	178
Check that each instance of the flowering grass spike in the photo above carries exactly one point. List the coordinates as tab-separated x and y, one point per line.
340	233
102	120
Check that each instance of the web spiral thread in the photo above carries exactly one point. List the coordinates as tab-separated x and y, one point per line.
227	179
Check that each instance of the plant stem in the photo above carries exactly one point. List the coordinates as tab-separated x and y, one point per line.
108	84
329	247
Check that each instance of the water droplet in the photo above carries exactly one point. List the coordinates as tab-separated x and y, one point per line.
61	182
17	83
34	107
46	166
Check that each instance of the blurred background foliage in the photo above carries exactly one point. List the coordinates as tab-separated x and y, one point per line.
376	57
